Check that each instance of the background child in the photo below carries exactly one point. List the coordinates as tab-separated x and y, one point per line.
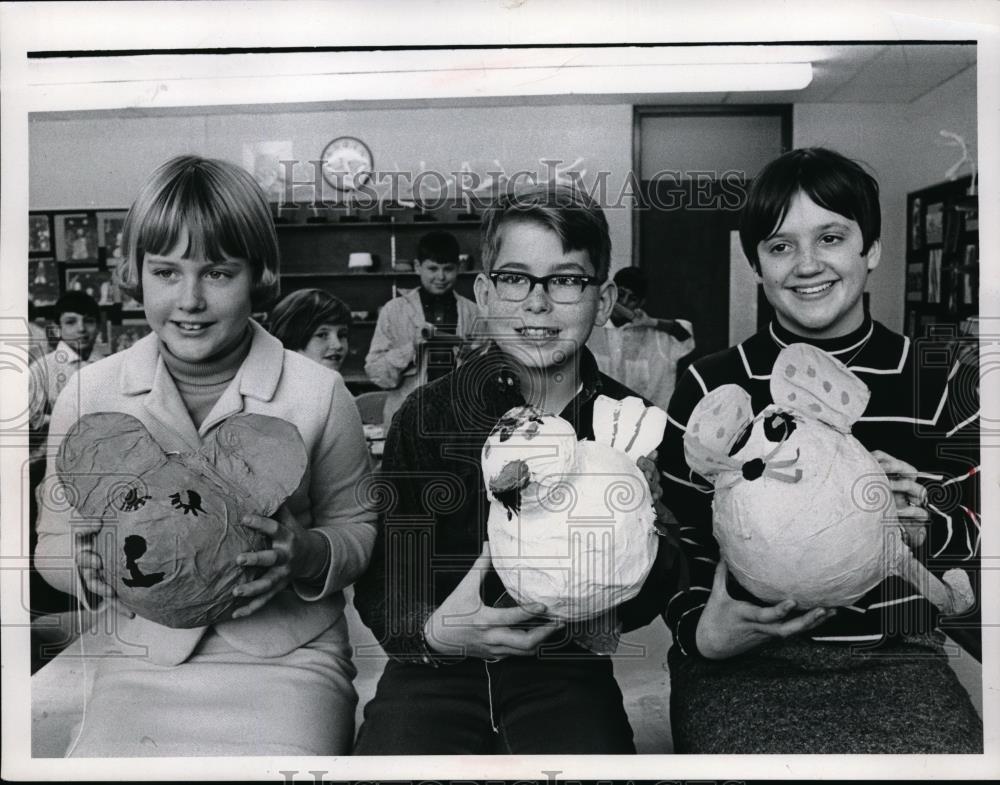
78	318
201	254
872	677
465	677
419	335
637	349
313	323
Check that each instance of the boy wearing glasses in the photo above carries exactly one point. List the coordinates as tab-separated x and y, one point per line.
466	675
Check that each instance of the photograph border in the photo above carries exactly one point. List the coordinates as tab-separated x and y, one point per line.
76	28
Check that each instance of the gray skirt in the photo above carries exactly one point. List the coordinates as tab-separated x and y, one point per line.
222	701
796	696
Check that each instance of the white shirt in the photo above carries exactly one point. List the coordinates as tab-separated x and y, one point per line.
49	375
643	358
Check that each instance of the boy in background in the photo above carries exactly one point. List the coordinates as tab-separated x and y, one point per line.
78	317
464	676
637	349
419	336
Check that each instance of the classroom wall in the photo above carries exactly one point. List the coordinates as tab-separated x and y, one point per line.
902	144
100	162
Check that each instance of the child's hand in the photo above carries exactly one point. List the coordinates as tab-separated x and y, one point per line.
641	319
647	465
463	626
90	565
909	495
728	627
295	553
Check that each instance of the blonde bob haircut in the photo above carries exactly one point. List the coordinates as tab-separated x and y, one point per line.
224	211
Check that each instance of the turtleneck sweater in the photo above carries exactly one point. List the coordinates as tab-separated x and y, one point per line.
201	384
923	409
840	347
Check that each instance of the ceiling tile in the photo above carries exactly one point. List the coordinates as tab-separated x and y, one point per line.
902	74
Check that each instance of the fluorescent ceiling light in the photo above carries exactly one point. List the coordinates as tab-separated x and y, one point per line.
146	67
204	80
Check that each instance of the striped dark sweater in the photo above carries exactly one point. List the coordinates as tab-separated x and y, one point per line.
924	409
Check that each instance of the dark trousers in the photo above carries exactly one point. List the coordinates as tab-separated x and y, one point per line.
518	705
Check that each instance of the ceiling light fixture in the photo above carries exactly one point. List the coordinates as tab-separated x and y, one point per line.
203	80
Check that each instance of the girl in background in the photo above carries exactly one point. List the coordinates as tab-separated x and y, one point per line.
314	323
201	255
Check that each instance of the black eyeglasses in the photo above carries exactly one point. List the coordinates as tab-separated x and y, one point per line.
561	288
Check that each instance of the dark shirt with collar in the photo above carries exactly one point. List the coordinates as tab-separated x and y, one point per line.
441	310
434	508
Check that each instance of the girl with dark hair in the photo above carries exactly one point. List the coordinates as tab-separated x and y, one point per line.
314	323
870	677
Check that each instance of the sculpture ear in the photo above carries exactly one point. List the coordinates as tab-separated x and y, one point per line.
262	456
808	380
628	425
102	455
714	425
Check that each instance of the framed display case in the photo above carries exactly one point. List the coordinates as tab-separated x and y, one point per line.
316	247
39	234
76	237
77	250
91	280
127	332
43	281
942	258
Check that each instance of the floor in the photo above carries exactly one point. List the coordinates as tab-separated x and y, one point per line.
58	689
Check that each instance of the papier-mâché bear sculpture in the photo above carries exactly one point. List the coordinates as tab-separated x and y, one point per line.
571	523
802	510
176	516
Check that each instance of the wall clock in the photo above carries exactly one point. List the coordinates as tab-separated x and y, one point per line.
347	163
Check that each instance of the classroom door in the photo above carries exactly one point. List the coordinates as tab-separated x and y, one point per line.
684	249
695	165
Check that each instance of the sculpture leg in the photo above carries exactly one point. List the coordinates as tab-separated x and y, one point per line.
951	596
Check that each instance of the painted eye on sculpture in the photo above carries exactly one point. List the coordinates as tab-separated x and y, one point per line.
187	501
742	439
779	426
133	501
